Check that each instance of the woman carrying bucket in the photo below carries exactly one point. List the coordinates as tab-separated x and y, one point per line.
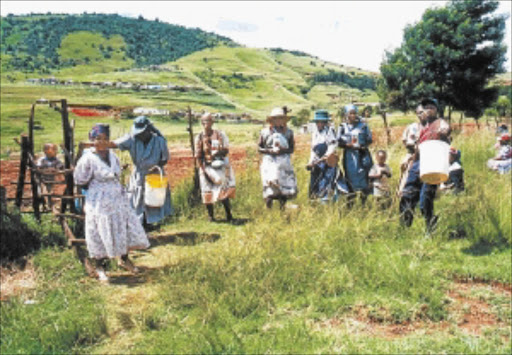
276	144
436	134
111	225
216	176
149	153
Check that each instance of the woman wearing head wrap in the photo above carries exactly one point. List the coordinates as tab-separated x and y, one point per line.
276	144
354	137
111	226
216	176
148	148
323	161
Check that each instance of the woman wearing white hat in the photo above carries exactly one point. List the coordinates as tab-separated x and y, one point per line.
276	144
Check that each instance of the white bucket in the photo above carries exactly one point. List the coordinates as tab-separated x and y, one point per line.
434	162
155	189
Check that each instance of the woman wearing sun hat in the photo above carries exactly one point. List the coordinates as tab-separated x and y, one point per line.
323	161
276	144
148	148
354	137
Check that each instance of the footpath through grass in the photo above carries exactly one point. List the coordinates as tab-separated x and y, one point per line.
270	285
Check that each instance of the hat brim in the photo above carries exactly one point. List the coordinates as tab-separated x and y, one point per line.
136	131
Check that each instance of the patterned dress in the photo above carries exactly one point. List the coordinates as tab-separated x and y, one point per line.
111	225
217	183
277	175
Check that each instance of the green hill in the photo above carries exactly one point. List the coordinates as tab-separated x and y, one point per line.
217	74
34	42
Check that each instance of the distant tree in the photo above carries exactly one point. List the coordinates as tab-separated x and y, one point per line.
503	106
301	118
451	53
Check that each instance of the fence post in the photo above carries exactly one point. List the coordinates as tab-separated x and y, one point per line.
23	169
67	135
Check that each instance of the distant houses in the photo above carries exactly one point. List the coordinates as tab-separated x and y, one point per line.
115	85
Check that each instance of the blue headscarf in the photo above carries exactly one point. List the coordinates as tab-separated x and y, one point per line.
98	129
350	107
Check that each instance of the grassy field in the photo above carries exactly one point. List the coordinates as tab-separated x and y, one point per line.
316	279
233	79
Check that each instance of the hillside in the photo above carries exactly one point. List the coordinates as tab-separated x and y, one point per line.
40	42
214	71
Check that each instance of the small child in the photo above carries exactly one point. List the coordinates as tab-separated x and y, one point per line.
379	175
455	182
49	163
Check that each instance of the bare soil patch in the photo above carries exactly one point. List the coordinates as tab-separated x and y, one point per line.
467	313
16	280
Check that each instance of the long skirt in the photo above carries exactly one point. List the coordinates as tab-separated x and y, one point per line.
323	181
217	184
111	225
278	177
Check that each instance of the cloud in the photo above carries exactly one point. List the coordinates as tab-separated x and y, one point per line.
280	19
235	26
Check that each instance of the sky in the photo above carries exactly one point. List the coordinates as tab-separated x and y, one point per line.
354	33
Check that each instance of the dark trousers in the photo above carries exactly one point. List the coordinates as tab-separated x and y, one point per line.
415	191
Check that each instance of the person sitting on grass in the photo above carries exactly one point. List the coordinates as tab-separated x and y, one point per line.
379	175
112	227
455	182
216	176
49	164
502	162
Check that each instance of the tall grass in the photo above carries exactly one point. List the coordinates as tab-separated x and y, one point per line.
60	315
262	289
269	285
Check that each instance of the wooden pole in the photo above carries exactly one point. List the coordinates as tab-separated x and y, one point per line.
23	170
194	196
68	159
34	179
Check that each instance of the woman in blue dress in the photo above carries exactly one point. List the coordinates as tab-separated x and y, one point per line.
354	137
148	148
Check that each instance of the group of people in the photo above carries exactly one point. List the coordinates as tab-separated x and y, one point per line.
116	216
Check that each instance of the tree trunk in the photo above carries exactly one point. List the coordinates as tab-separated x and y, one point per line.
460	120
477	123
388	133
450	115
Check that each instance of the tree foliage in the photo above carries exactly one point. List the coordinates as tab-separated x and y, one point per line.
451	53
33	40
